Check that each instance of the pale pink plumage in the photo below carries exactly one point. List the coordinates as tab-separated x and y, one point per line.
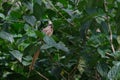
49	29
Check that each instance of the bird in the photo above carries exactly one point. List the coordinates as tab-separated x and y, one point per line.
49	29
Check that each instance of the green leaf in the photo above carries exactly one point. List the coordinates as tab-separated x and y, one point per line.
114	73
84	28
118	0
81	65
104	27
102	68
2	15
45	46
25	63
17	55
22	39
30	49
6	36
39	34
118	39
70	12
99	19
64	2
116	54
31	34
15	14
30	19
29	31
49	4
38	10
101	52
29	5
56	71
6	6
49	41
91	11
27	27
27	60
17	27
61	46
38	1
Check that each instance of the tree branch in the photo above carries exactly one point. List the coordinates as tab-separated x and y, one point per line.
41	75
109	27
55	9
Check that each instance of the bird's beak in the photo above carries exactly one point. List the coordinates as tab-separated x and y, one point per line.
49	22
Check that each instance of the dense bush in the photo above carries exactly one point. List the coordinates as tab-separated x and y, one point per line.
85	44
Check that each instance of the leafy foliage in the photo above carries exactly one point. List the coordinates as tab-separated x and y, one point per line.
85	44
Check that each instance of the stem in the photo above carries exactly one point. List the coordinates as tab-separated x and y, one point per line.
36	55
109	27
55	9
41	75
72	72
77	3
62	16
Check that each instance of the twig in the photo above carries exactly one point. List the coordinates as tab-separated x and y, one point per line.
70	75
109	27
41	75
76	3
54	8
64	17
28	74
63	77
31	67
74	69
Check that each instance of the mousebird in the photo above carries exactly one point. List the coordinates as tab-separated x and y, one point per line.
49	29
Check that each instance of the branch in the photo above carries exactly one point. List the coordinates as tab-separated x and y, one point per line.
31	67
109	27
72	72
64	17
55	9
41	75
